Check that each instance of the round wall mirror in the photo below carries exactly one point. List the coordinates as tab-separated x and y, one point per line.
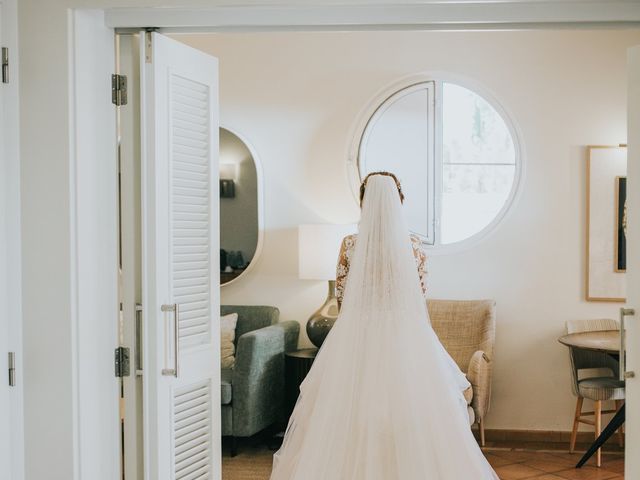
240	207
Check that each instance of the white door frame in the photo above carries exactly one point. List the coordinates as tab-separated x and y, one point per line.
632	442
94	246
92	147
10	255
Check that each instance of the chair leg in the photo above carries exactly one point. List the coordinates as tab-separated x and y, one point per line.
234	446
481	427
576	423
619	404
598	424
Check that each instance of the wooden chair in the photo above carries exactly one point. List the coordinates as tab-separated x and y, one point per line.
601	385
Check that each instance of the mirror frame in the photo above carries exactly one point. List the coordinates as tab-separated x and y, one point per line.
260	199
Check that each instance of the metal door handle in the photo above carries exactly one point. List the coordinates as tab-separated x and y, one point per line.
12	369
138	341
624	312
176	343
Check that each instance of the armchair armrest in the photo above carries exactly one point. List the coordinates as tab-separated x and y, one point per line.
479	375
258	376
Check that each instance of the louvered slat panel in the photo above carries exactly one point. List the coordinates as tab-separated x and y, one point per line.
190	209
192	432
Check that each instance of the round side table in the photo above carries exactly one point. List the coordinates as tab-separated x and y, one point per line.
297	364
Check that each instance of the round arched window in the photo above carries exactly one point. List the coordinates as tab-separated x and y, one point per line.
454	152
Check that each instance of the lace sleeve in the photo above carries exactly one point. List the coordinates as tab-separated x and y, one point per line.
421	261
342	268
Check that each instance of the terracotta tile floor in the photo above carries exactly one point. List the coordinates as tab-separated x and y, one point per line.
520	462
515	464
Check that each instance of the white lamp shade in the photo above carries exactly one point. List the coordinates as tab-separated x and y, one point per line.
318	250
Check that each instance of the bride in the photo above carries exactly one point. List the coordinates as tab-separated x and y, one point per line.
383	400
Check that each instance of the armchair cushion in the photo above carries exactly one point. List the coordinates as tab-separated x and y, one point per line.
601	388
227	337
226	389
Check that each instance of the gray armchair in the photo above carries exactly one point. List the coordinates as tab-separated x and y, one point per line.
252	393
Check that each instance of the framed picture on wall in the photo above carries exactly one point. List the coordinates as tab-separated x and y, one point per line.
621	225
606	252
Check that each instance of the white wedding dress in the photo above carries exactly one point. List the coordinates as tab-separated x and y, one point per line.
383	400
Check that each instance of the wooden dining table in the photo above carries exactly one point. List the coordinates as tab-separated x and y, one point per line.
606	341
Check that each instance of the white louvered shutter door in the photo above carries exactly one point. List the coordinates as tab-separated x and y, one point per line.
181	261
632	426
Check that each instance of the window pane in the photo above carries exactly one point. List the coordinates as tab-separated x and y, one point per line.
397	140
472	197
478	164
473	132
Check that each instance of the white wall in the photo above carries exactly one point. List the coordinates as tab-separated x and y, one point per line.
296	98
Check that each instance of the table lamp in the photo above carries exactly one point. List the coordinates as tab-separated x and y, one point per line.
318	250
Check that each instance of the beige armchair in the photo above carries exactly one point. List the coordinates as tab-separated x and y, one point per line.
467	329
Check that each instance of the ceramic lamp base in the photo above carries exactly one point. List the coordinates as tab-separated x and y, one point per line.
322	320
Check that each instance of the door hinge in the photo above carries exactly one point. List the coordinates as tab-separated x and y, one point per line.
148	44
122	362
12	369
5	65
118	89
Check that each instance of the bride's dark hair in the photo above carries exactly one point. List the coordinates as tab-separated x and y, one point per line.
363	185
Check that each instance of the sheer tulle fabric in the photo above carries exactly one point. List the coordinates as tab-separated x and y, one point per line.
383	400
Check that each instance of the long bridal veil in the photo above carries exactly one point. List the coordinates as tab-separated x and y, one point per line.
383	400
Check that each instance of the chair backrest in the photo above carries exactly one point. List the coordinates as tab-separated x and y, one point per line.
251	317
586	359
464	327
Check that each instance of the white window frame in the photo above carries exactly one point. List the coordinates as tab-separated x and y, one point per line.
435	165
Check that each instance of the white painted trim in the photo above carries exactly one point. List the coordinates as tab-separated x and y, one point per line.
261	197
93	246
10	190
439	77
438	15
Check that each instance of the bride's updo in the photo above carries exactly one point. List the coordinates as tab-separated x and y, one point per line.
363	185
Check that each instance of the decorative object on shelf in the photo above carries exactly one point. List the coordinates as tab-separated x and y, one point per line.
235	259
318	249
223	260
